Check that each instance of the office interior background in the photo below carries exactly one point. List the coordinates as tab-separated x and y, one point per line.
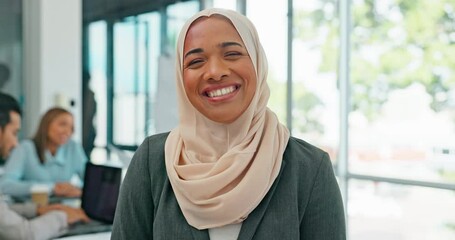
372	82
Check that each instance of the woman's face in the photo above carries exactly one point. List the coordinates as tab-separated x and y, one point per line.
218	75
60	129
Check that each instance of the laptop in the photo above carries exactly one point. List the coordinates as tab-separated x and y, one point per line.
99	199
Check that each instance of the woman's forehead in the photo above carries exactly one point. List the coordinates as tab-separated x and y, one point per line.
211	17
211	29
63	116
209	22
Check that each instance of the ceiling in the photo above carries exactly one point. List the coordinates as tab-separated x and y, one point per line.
104	9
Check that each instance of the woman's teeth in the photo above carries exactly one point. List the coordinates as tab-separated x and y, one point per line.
221	92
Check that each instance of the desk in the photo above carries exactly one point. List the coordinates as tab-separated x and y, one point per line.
93	236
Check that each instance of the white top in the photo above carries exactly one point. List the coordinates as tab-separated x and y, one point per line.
228	232
15	225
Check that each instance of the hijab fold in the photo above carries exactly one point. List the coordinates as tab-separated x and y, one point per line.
221	172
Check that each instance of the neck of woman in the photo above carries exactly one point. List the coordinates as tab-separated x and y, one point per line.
52	148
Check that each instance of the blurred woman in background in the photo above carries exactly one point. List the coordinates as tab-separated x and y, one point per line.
51	157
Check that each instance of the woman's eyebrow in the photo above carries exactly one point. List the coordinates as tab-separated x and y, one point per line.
227	44
193	51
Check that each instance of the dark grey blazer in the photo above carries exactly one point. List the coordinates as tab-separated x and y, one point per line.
304	202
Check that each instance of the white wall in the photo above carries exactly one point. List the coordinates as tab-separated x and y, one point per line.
52	59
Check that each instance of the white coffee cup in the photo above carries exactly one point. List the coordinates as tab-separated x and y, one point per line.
40	194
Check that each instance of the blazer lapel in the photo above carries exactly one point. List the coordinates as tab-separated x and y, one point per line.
200	234
250	225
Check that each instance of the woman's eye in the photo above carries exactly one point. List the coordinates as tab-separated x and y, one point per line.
233	54
194	62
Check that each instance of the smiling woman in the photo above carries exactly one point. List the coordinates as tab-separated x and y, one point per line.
229	170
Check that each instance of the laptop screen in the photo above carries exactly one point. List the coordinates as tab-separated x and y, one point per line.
100	191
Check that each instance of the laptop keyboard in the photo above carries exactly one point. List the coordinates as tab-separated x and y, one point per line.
93	226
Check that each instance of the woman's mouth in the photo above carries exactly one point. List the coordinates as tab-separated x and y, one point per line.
221	91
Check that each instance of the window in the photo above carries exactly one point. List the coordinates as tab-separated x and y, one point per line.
273	34
177	14
124	58
130	79
97	68
379	210
403	98
315	96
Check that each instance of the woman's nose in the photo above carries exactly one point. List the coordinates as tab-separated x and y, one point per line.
217	69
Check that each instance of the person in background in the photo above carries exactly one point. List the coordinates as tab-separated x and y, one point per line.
51	157
88	115
4	74
230	169
28	221
10	124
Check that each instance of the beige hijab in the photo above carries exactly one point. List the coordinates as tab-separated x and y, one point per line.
221	172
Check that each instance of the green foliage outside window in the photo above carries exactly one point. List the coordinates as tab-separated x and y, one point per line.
393	44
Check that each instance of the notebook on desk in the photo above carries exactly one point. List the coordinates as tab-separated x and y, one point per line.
99	199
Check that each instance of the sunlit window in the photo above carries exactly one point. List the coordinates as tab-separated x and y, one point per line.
138	71
271	24
315	113
177	14
402	122
130	77
98	80
389	211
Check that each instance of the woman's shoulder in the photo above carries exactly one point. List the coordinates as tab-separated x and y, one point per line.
304	153
149	158
152	146
297	144
155	142
304	162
